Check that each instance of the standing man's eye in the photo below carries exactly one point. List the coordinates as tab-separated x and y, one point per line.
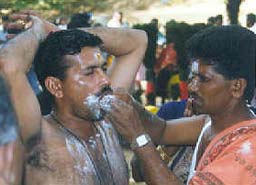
203	78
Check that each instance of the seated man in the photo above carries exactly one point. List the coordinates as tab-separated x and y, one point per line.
11	149
74	144
223	67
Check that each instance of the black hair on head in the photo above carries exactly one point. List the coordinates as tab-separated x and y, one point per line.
80	20
231	49
49	57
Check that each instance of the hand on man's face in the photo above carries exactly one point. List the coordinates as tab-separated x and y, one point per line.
125	119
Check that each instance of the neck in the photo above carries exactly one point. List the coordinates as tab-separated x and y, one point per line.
231	117
80	127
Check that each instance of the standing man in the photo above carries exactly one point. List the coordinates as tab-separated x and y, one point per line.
223	67
74	144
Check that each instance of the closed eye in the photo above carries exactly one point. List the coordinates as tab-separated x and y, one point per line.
203	78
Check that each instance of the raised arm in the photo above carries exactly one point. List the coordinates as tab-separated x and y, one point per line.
131	114
132	122
128	46
16	57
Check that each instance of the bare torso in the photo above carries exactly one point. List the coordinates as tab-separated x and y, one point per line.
60	158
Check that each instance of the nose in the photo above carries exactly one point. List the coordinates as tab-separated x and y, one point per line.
103	79
193	85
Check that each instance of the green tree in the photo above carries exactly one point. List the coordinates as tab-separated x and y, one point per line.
66	7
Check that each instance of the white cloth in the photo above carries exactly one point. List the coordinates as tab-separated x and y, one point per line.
253	28
194	158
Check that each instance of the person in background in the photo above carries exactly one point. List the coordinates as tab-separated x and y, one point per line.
11	145
80	20
251	22
3	32
117	20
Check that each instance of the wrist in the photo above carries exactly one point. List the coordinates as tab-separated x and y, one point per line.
140	141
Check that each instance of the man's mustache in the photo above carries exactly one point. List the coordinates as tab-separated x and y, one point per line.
105	89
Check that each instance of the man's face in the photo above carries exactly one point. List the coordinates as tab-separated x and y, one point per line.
85	78
209	90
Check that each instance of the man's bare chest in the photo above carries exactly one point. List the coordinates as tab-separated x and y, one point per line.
58	154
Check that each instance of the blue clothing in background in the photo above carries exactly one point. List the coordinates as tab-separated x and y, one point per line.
180	163
32	78
172	110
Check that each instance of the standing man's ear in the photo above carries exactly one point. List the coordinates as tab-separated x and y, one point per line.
238	87
54	86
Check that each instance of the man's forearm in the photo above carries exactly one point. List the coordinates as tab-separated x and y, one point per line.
120	41
153	125
21	49
155	170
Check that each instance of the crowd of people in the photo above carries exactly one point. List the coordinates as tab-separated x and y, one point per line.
68	132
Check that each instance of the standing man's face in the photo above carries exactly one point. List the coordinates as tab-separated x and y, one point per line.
209	90
86	77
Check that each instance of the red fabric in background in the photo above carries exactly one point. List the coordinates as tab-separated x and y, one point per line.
183	90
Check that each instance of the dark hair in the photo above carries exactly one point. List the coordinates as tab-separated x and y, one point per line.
49	57
231	49
80	20
250	19
5	18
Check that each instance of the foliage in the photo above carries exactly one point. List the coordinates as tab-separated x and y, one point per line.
66	7
232	7
179	33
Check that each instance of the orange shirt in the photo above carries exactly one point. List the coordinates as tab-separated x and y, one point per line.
230	158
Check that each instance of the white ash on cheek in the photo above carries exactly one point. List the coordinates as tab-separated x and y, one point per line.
92	102
105	102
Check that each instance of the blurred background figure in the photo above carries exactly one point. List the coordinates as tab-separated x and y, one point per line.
117	20
219	20
62	23
3	29
215	20
79	20
11	149
250	22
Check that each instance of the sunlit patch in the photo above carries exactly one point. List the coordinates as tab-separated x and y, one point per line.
246	148
78	57
98	57
195	67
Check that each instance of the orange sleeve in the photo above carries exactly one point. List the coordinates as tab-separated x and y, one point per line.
235	165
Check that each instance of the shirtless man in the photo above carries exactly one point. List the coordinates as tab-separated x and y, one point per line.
72	145
223	80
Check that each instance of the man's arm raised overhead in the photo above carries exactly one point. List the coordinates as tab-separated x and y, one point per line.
16	58
128	46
